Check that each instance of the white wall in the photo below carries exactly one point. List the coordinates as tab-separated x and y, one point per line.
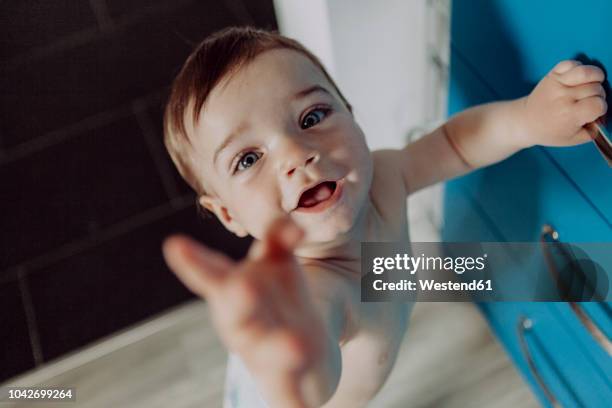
375	50
308	22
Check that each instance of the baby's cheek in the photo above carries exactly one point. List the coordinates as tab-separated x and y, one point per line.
258	215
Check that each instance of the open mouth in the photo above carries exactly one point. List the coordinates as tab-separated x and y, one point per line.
319	197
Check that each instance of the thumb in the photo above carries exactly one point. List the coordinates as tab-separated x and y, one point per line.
279	241
201	269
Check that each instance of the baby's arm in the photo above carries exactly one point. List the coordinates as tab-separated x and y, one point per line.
553	114
264	312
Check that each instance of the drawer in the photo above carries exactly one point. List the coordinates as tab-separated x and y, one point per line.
511	46
559	365
564	367
526	191
511	222
556	354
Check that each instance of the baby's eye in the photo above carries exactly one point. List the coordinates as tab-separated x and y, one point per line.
246	160
314	117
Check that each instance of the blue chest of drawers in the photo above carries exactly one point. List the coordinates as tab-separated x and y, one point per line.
499	50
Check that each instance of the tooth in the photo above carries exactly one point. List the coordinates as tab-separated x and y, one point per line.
323	192
309	202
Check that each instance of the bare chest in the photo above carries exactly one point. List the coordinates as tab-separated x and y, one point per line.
374	330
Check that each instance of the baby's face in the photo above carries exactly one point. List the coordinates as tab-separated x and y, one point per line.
276	139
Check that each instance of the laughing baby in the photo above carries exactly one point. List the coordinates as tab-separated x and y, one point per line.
263	135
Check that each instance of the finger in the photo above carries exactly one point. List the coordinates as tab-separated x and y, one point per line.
564	66
582	136
582	74
199	268
280	240
587	90
589	109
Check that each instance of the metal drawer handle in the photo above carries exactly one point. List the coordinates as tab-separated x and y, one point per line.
602	140
600	337
523	325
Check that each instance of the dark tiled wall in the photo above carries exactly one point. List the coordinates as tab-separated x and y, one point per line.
87	191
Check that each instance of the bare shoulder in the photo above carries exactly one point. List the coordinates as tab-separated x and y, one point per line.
388	191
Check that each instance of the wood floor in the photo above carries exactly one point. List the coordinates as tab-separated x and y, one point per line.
448	359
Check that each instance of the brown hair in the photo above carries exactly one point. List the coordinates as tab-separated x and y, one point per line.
223	52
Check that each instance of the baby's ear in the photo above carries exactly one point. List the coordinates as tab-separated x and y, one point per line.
214	205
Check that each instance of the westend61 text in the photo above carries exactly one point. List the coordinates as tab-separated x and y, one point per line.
432	285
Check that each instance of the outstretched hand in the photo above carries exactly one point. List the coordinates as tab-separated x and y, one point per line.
260	306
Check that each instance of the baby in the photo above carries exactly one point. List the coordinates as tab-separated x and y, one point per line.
268	142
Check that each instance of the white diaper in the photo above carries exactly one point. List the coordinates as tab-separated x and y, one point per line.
240	390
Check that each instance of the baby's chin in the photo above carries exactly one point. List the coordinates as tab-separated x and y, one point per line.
329	229
324	235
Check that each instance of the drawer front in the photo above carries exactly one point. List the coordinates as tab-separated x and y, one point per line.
559	362
599	315
510	46
549	356
525	192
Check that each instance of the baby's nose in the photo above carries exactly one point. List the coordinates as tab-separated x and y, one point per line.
298	158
